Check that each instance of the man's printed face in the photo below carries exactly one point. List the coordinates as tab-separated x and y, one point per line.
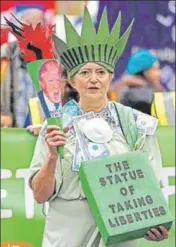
50	81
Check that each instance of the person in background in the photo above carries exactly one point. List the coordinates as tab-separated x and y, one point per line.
141	80
6	118
68	92
163	107
16	85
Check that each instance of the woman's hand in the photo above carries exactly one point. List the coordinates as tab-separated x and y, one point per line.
55	138
34	129
157	235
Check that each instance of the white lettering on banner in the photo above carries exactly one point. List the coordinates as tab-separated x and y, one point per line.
168	77
5	213
173	33
172	6
165	21
166	54
168	20
3	193
28	195
167	71
168	190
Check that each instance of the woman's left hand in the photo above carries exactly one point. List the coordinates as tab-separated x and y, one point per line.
157	235
34	129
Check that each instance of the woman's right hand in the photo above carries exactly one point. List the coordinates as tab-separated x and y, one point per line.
55	138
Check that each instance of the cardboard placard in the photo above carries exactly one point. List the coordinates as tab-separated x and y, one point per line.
124	196
45	75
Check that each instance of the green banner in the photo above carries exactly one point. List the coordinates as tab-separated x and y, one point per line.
22	219
166	138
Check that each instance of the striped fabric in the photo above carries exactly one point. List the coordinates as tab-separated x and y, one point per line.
4	65
25	92
163	107
35	111
89	53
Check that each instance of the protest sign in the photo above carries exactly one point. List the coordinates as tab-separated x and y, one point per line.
122	198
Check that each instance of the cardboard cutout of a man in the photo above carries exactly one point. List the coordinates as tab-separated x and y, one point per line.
50	84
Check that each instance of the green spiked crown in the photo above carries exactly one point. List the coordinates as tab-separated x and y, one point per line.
102	47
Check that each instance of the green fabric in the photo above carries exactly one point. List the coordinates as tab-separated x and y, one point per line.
26	222
128	124
101	46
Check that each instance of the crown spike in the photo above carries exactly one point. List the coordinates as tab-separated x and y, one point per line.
60	45
91	46
72	36
115	32
120	45
88	32
103	29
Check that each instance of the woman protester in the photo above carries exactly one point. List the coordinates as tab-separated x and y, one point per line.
141	81
90	61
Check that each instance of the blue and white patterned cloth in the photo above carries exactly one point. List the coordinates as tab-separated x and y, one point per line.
72	109
25	92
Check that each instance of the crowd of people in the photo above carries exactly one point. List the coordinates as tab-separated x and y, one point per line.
135	88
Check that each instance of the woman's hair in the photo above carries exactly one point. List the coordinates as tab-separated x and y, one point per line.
5	111
69	92
141	73
64	74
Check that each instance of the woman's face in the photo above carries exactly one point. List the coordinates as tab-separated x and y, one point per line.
92	81
153	74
